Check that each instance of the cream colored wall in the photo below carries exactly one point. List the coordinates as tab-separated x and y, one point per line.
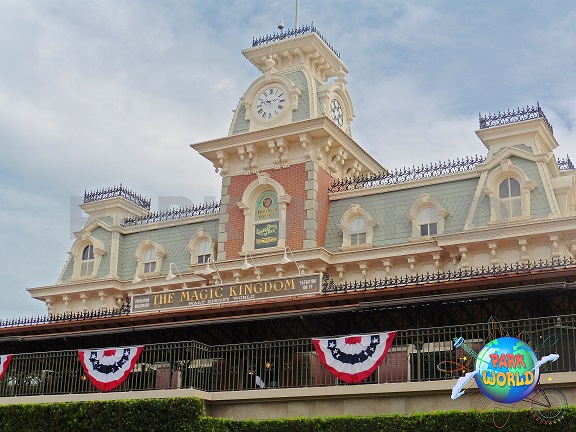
357	400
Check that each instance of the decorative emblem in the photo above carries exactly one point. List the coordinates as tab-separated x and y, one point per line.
108	368
354	358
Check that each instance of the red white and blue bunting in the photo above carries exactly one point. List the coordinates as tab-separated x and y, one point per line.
354	358
4	362
108	368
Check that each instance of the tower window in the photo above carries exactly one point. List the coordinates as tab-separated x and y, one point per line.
510	198
87	264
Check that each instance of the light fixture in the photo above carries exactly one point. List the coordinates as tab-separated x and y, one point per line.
138	279
248	265
286	259
171	275
209	270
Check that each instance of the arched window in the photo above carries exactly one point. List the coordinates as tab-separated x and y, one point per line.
266	220
509	190
87	263
150	260
203	251
358	231
86	253
428	219
427	216
149	257
510	198
357	228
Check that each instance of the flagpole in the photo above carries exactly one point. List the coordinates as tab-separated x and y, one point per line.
297	12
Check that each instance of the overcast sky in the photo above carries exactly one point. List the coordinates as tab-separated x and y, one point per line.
94	93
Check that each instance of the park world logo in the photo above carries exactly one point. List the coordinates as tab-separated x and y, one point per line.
507	371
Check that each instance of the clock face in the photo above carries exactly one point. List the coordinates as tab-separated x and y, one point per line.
336	112
270	103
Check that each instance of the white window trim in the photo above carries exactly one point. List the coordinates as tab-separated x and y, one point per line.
497	176
421	203
193	244
139	255
349	215
76	254
248	206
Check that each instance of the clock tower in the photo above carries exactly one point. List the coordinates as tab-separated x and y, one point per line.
302	78
289	139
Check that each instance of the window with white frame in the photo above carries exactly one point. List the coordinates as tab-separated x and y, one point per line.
509	191
427	217
357	228
200	247
358	231
87	263
428	220
149	256
86	254
203	251
150	260
510	197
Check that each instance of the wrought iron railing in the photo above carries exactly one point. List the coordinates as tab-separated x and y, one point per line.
403	175
565	164
513	116
413	357
171	214
117	191
290	33
330	286
124	309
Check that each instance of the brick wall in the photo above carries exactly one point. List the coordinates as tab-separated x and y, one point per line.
292	180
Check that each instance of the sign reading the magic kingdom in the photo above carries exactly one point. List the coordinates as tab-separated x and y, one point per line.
231	293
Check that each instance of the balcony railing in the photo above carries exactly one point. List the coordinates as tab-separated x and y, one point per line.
514	116
413	357
117	191
290	33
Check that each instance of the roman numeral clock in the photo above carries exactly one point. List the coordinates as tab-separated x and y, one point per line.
270	103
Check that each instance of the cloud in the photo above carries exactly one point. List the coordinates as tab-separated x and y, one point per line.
97	93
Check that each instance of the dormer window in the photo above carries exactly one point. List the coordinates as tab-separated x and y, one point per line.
86	254
509	190
357	228
149	256
428	221
87	263
510	198
150	261
427	217
358	231
204	251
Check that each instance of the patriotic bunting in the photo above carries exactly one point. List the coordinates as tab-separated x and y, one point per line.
108	368
4	362
353	358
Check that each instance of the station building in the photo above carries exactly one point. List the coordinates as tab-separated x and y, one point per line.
312	237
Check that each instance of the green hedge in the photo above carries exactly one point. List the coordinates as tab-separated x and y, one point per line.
188	415
142	415
452	421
